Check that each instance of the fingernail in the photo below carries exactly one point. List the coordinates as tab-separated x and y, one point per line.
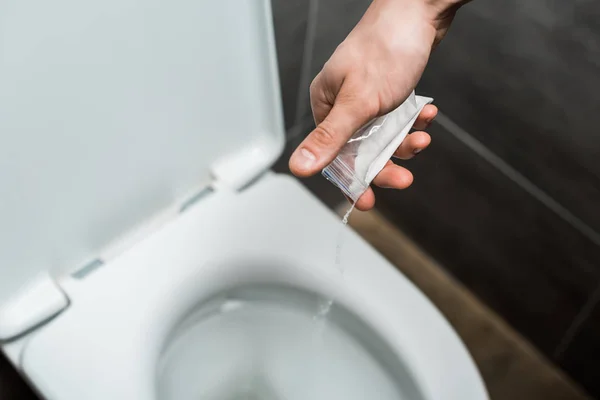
303	159
417	151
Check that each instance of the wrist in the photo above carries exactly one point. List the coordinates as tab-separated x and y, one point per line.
439	14
436	13
441	9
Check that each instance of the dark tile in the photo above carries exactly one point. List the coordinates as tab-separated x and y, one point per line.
522	259
12	386
290	18
524	78
582	358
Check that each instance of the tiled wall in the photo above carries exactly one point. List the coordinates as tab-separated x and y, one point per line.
508	195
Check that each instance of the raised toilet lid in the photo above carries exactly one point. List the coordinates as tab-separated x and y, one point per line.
113	112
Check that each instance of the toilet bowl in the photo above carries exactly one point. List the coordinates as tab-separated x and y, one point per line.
150	253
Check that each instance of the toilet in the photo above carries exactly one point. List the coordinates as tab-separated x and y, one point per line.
149	252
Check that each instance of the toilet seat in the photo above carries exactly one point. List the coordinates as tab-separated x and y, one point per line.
109	341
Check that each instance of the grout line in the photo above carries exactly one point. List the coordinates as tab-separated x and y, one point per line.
299	128
545	199
578	321
307	56
518	178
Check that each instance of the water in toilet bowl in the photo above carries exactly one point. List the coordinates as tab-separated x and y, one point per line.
260	343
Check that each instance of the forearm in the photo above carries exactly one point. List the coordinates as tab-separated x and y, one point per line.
437	14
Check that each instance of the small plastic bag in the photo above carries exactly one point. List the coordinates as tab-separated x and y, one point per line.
370	148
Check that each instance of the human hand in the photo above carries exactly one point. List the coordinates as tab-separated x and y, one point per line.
371	73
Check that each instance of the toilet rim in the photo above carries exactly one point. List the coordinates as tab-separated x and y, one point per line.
229	274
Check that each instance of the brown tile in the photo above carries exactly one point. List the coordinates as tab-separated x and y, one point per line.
510	366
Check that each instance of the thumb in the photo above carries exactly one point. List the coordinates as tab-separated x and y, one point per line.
348	114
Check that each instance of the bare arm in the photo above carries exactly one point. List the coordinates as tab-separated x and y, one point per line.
371	73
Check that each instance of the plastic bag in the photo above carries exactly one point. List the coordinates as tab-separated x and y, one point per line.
369	149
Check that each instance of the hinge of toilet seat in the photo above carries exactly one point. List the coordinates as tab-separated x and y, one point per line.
35	304
241	168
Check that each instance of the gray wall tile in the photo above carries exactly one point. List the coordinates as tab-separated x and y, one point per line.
525	261
524	78
290	20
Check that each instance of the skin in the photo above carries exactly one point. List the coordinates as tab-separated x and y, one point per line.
371	73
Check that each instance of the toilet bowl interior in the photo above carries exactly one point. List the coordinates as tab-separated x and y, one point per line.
274	342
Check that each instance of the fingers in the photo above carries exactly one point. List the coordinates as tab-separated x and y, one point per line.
414	143
426	116
417	141
366	201
348	114
392	176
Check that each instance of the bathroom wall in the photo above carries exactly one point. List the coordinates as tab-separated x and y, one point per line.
507	196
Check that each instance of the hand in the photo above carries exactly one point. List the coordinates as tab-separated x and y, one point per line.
371	73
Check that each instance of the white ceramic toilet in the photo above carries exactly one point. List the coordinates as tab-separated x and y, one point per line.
147	251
